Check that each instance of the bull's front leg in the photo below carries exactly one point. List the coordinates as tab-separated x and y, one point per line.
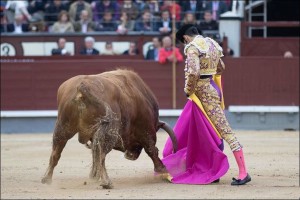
57	148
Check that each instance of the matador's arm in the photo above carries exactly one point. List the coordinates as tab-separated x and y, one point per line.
192	70
220	67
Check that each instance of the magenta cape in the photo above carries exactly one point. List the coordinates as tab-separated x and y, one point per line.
199	159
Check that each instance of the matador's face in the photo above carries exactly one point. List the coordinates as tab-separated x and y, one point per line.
187	39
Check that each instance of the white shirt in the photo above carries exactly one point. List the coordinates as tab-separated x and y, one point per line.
166	23
84	27
18	28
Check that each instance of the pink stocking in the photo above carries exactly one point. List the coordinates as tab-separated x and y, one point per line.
239	157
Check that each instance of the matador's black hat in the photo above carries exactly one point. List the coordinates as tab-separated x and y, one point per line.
187	28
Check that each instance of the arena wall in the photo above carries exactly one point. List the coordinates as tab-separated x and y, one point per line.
31	83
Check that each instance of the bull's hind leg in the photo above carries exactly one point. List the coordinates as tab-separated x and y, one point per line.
98	168
105	181
103	143
105	139
59	142
95	171
152	151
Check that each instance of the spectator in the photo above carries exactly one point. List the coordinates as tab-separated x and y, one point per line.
169	5
189	18
102	6
77	7
288	54
166	53
3	23
63	25
107	23
89	47
132	49
153	6
109	49
145	23
216	8
192	5
52	11
130	8
61	50
126	24
16	7
84	25
209	23
37	7
140	4
38	25
19	26
164	26
152	53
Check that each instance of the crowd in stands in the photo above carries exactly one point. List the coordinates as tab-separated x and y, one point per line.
120	16
108	15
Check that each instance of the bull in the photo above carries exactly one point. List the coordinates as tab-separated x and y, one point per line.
111	110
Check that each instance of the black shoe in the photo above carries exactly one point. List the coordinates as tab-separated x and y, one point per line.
216	181
241	182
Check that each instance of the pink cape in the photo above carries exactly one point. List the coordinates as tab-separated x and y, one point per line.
199	159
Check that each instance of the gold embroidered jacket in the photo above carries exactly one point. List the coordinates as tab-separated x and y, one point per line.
203	58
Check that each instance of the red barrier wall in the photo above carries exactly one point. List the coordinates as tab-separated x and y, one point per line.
30	83
269	46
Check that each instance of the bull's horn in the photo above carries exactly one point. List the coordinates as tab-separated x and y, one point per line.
171	133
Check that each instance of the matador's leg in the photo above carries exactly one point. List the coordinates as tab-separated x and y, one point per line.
212	106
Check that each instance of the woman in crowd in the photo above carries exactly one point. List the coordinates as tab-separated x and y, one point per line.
63	25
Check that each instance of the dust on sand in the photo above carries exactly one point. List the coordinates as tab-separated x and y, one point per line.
272	158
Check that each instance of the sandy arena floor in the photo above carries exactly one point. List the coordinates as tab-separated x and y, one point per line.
272	158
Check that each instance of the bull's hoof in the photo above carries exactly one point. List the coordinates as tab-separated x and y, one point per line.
46	180
106	185
94	177
161	170
166	177
130	155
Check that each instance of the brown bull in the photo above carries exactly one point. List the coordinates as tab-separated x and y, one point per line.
112	110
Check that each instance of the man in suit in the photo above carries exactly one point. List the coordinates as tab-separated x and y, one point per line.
76	7
89	47
196	6
84	24
107	23
18	26
152	53
61	50
217	8
164	26
209	23
144	23
133	50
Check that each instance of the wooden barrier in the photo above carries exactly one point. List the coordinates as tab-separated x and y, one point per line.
270	46
31	83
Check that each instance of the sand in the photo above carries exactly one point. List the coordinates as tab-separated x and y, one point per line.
272	158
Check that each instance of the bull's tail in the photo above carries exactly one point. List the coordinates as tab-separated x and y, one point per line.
169	130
